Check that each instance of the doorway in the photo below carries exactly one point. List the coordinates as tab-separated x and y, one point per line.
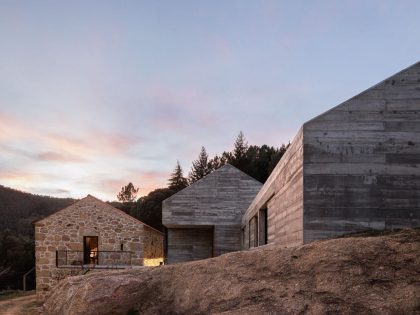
90	250
188	244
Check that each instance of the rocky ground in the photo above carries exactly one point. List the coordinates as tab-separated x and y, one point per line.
354	275
21	305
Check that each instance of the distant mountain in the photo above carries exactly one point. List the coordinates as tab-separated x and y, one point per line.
19	209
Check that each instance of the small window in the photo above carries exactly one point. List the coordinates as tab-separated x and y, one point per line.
253	232
122	246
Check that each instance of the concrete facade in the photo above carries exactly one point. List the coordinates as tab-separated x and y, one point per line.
282	196
355	167
114	240
204	219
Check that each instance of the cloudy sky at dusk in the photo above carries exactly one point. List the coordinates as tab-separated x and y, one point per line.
94	94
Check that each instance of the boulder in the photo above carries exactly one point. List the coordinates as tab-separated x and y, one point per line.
353	275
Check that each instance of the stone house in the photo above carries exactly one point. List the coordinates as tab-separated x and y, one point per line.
204	219
356	167
91	235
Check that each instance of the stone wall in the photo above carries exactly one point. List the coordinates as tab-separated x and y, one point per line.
65	231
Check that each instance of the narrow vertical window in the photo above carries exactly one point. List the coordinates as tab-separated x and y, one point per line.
253	232
262	229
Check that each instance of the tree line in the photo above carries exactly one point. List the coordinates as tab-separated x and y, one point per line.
256	161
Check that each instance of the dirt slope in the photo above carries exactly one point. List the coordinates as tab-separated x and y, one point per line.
18	305
357	275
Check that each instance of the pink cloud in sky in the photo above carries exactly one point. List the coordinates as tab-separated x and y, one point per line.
59	157
56	161
17	176
93	142
145	181
66	146
11	128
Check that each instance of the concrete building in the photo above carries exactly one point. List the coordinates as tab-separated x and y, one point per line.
353	168
204	219
91	234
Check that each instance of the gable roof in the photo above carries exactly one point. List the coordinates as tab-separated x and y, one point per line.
381	83
223	169
92	198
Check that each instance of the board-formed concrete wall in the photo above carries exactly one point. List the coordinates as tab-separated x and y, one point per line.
190	244
282	195
362	161
65	230
216	202
355	167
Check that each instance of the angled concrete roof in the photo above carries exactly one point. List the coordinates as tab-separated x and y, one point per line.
218	198
408	76
208	179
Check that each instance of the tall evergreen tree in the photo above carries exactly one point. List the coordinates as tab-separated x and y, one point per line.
200	167
239	157
128	193
240	147
177	181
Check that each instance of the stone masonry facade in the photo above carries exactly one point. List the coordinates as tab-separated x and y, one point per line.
122	242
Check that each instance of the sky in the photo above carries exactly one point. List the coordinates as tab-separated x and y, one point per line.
96	94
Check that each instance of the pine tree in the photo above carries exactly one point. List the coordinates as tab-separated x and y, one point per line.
200	167
128	193
177	181
241	146
239	157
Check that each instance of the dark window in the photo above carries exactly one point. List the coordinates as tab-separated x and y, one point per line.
122	246
263	227
253	232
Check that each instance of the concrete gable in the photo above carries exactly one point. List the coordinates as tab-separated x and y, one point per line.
211	181
398	92
219	198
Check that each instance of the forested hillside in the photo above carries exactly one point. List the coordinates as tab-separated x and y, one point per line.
18	210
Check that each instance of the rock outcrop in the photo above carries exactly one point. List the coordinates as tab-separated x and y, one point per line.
354	275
